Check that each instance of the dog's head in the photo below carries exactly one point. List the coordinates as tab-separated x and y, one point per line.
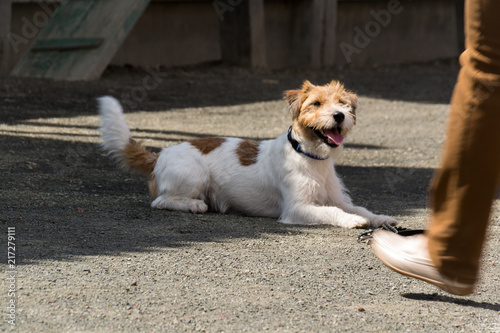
322	115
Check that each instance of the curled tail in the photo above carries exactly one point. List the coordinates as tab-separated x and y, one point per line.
117	141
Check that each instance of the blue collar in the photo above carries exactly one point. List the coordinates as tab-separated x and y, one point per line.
296	146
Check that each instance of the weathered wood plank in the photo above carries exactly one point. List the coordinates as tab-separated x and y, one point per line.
66	44
257	34
315	32
243	34
330	33
109	21
63	23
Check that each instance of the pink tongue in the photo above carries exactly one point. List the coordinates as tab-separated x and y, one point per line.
335	136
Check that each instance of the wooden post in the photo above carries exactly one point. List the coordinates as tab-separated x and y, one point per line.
330	33
307	33
316	28
5	21
314	32
257	34
242	32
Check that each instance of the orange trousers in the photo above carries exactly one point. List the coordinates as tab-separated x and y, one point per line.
464	188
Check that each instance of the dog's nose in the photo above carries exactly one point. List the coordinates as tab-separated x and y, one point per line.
339	117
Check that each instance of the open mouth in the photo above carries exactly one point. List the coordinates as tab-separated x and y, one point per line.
331	137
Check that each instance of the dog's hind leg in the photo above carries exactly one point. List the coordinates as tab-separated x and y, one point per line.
182	182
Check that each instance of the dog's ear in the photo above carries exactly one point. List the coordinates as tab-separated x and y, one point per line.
351	97
307	86
293	99
353	101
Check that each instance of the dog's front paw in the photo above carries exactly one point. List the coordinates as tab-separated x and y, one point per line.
198	207
379	220
357	222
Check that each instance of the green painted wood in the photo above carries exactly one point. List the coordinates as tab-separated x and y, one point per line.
66	44
66	48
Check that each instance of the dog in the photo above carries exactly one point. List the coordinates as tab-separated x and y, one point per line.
291	178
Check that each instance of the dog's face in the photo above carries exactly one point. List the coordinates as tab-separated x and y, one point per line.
322	115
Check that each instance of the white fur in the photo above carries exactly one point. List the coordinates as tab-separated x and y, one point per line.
115	132
282	183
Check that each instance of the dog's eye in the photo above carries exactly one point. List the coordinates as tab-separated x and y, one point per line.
317	103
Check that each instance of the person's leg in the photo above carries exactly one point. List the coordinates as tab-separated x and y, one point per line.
464	188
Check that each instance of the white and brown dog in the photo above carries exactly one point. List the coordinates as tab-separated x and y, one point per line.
291	177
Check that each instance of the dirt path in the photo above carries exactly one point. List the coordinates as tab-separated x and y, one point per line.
91	256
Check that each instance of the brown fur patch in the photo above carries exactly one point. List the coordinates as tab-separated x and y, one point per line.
137	157
206	145
153	187
247	152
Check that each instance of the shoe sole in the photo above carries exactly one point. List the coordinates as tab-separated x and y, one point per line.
452	290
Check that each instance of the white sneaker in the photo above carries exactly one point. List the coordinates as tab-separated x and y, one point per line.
410	256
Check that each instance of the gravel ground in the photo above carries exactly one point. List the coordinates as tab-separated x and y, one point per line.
92	256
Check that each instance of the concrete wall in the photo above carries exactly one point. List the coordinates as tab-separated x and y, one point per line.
414	31
172	34
175	33
409	32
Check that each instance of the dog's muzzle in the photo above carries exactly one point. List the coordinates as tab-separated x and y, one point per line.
332	136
